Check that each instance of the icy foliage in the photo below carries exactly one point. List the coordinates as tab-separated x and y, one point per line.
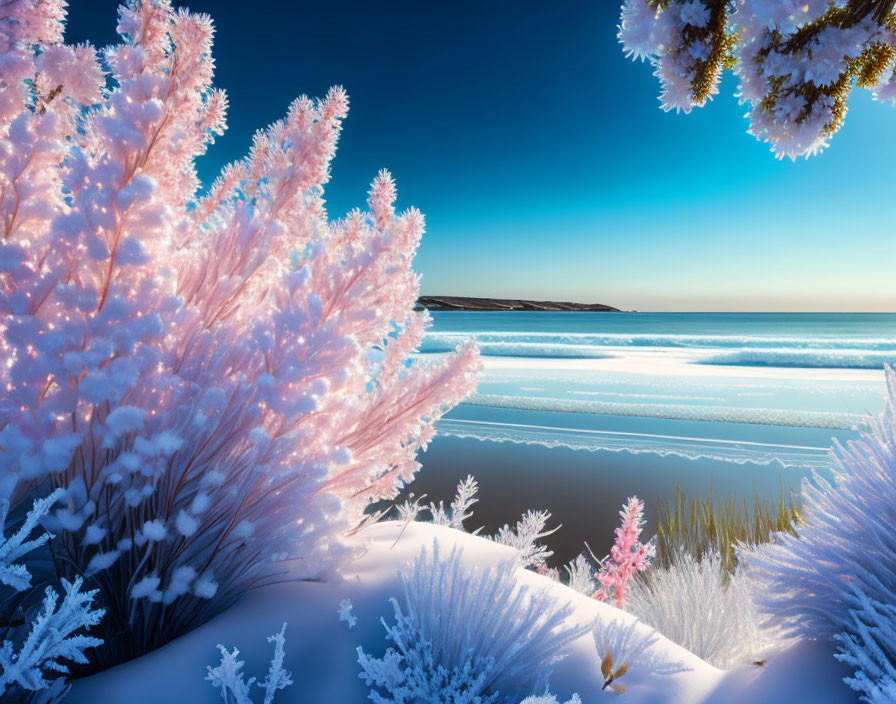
228	675
628	556
632	645
459	511
55	635
580	576
797	60
524	539
220	384
550	699
869	647
832	579
16	545
691	604
467	636
345	613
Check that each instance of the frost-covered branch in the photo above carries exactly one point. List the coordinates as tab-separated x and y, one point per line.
228	675
16	545
459	511
56	635
524	538
796	60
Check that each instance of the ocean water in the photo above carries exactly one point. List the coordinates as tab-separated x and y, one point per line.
574	412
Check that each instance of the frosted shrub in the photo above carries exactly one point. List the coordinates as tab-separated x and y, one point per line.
218	383
691	604
467	636
797	60
833	578
56	631
228	675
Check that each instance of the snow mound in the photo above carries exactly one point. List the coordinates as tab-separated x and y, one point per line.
321	650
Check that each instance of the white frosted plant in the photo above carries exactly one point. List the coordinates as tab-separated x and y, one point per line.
690	605
18	544
550	699
345	613
228	675
55	635
524	538
467	636
459	511
580	576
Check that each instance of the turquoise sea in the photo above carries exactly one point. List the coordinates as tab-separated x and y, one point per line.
576	411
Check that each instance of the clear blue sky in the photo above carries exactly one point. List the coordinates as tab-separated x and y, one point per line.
543	163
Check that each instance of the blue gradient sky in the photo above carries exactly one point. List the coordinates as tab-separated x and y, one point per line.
544	165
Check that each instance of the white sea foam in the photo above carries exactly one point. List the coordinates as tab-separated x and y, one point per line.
446	341
719	414
616	394
736	452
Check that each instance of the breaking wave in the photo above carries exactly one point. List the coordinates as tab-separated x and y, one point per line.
446	341
814	358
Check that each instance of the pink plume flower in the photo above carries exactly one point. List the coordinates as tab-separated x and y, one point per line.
628	555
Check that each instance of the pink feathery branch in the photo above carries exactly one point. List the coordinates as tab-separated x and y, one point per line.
628	556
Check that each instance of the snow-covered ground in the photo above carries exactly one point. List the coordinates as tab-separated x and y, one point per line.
321	649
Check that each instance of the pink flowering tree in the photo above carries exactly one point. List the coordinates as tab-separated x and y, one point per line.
628	556
219	383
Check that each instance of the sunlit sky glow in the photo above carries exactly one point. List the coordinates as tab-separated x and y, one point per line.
543	164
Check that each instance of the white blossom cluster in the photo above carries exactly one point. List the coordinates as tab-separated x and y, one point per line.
796	60
678	41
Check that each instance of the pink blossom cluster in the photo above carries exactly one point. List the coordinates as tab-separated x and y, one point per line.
222	383
628	556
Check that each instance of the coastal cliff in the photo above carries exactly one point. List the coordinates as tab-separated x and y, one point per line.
503	304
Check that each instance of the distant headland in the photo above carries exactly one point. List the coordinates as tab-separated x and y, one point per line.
499	304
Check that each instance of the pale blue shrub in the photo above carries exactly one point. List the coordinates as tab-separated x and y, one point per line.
467	636
833	579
